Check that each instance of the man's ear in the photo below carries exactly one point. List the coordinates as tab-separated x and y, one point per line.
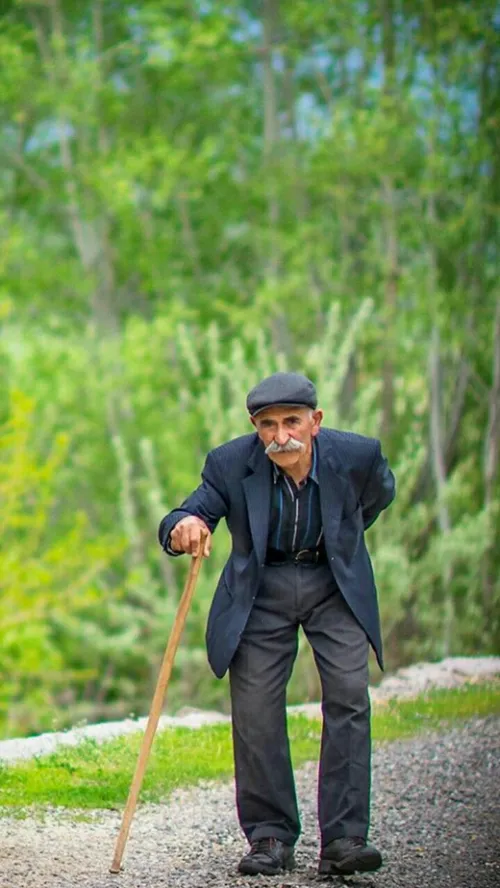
252	420
316	418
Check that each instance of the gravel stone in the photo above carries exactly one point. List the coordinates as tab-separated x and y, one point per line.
435	817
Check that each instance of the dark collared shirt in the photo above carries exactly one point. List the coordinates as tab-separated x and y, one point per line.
295	520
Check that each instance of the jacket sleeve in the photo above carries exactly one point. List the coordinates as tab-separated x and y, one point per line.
209	502
379	490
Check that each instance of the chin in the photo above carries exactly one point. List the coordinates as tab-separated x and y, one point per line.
285	459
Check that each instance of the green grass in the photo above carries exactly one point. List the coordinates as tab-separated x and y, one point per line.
98	776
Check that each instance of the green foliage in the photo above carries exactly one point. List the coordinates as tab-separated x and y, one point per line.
98	776
192	198
117	640
46	580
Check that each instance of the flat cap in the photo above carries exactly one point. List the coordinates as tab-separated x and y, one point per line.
282	390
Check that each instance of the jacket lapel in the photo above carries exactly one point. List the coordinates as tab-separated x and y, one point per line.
332	489
257	489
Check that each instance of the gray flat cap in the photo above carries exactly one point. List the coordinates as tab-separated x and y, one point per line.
282	390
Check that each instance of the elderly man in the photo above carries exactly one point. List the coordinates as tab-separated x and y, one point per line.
297	499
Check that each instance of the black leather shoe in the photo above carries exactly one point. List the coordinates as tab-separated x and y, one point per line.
347	856
268	856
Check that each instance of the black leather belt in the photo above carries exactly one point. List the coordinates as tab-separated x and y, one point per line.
303	556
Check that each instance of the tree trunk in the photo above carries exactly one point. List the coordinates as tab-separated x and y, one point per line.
439	471
271	127
492	442
462	373
90	239
438	457
391	270
390	310
279	322
489	107
491	462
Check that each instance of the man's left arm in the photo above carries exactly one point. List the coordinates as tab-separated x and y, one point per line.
379	490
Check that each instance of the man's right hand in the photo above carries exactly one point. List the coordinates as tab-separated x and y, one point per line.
186	536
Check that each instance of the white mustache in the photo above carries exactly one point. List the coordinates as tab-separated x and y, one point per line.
290	447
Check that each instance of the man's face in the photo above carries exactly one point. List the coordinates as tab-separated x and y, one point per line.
287	433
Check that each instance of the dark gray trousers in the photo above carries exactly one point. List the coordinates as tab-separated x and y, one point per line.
307	596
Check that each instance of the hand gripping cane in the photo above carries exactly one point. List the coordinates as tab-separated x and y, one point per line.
157	705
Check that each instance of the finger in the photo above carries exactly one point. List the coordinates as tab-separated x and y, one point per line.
186	539
195	534
175	543
175	540
208	546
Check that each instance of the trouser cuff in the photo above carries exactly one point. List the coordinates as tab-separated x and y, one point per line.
268	832
344	833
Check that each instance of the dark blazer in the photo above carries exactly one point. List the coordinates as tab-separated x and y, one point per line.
355	484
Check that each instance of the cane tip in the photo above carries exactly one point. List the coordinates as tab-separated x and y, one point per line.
115	868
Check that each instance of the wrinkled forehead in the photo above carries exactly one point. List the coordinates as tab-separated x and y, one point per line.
278	414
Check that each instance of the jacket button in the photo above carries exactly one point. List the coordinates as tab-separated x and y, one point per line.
332	558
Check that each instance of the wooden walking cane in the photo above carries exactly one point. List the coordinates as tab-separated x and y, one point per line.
157	705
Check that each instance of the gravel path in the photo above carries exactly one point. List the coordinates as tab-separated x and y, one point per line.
436	818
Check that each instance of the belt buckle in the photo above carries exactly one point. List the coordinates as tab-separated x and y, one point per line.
301	552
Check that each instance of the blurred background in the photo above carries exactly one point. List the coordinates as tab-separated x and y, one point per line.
193	195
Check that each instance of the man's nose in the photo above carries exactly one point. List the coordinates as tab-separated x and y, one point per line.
281	437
